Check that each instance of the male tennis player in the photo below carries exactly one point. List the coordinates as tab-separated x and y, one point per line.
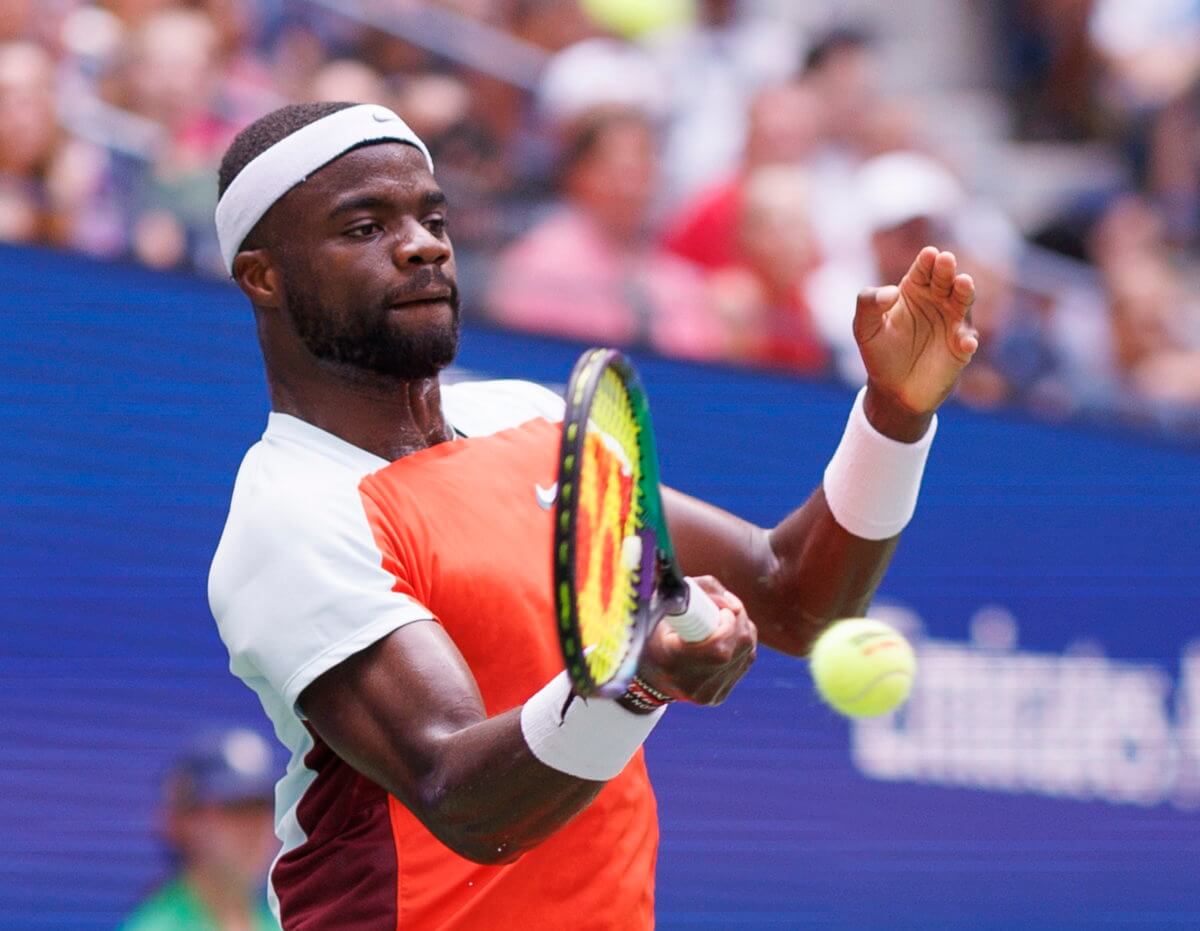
383	581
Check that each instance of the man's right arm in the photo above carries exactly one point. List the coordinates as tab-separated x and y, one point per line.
407	714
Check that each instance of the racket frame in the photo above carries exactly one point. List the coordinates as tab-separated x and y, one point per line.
660	585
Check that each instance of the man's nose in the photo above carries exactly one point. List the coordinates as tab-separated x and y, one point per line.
419	246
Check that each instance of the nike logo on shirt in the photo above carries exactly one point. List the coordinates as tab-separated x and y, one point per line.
545	496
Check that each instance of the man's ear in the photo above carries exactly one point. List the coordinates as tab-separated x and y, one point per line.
258	278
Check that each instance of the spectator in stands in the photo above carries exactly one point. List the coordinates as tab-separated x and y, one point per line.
714	67
1046	66
784	128
1149	86
599	72
1152	361
134	12
1150	51
550	25
843	70
29	137
1154	358
591	269
345	79
898	199
171	77
16	19
761	297
1019	363
217	816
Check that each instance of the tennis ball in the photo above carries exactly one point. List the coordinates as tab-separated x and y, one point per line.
632	18
862	667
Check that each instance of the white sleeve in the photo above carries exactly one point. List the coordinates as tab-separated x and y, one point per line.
298	585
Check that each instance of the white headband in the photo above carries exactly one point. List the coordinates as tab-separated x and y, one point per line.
291	160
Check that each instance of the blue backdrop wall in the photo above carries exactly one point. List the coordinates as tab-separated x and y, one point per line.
1046	773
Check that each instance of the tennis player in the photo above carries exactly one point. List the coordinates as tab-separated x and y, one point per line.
383	581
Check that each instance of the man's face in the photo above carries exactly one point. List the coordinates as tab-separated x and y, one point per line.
366	264
897	246
615	181
235	842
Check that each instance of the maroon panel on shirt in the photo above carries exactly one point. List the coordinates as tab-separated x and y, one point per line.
344	875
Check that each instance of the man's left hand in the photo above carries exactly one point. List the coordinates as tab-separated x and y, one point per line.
916	339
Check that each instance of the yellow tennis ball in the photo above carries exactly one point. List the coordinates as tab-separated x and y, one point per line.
632	18
862	667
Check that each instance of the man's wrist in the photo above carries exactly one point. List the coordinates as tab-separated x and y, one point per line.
872	482
893	419
587	738
643	698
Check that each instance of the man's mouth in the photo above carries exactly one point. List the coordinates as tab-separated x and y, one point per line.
437	296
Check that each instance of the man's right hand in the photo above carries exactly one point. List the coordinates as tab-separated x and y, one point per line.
705	672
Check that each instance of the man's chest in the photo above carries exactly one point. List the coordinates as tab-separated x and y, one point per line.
471	529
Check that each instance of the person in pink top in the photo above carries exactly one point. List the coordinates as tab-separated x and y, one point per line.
591	269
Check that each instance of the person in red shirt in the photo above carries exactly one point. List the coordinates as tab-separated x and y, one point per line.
382	582
761	295
590	269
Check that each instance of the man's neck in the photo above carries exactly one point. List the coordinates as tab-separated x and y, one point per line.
387	417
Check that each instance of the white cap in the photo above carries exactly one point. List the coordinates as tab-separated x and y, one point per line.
901	186
596	72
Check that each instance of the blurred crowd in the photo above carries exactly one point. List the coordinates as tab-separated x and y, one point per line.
709	178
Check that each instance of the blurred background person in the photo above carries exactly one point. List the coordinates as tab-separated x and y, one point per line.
346	79
170	75
761	295
714	65
1145	362
1018	362
217	820
1148	64
785	125
29	139
844	70
591	270
903	201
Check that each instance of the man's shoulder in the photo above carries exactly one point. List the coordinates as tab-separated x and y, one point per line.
480	408
293	494
296	461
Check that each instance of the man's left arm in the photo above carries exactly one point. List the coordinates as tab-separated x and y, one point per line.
812	569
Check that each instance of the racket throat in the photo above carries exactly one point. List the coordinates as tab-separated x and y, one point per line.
674	596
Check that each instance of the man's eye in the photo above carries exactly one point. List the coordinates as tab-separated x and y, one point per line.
436	225
363	230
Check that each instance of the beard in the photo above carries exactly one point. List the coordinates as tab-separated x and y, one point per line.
376	339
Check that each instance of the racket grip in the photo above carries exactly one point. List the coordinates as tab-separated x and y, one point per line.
699	620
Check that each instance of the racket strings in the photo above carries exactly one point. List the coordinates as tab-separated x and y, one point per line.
607	545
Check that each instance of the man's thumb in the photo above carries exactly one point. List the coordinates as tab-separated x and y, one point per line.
872	304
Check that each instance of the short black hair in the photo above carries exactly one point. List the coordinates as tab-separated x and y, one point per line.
264	132
837	39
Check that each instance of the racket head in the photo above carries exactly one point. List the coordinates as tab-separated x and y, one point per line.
606	554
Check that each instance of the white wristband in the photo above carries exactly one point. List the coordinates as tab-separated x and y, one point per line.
595	739
872	481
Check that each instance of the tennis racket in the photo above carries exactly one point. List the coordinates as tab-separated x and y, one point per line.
615	572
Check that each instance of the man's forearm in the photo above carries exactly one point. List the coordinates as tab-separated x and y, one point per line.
794	579
489	798
407	715
810	569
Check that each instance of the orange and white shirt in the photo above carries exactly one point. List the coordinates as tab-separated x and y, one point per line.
329	548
